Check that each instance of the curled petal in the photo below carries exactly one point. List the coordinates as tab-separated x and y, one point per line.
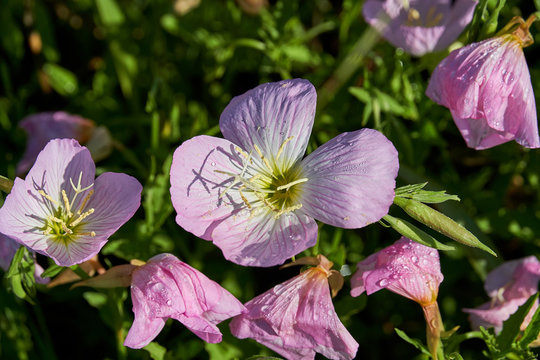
488	89
351	179
407	268
269	114
297	319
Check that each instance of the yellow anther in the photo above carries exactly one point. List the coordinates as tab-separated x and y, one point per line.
264	160
66	203
82	217
244	198
413	15
287	210
47	196
85	201
291	184
242	152
91	233
283	146
432	18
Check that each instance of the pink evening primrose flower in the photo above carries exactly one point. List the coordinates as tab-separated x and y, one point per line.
487	87
411	270
165	287
407	268
297	318
61	211
254	196
509	286
419	26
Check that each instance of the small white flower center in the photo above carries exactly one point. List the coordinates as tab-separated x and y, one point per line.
63	222
265	184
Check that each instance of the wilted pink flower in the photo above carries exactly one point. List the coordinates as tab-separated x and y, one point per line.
419	26
297	318
509	286
165	287
43	127
59	210
409	269
254	196
487	87
406	268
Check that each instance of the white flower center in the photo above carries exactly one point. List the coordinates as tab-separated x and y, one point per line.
62	223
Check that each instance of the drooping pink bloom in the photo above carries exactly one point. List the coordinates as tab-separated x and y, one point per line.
406	268
509	286
487	87
61	211
43	127
165	287
254	196
411	270
297	318
419	26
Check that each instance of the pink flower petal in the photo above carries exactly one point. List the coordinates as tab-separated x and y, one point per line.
351	179
165	288
270	113
407	268
8	248
487	88
43	127
422	27
297	319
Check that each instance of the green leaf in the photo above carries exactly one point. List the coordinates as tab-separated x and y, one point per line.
223	351
109	12
361	94
126	67
533	329
454	356
21	275
156	351
62	80
95	299
440	223
17	258
511	327
537	4
415	342
417	193
11	36
52	270
407	229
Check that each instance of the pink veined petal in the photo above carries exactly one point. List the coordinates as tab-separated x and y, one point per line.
407	268
22	216
146	326
518	278
270	113
200	327
197	189
46	126
60	161
351	179
295	319
461	16
116	198
263	240
317	318
487	315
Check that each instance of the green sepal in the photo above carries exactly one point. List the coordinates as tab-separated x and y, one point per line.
21	275
415	192
440	223
410	231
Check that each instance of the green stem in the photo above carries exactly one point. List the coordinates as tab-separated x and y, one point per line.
348	66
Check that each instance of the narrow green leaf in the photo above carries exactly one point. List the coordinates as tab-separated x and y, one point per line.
52	270
156	351
417	193
415	342
412	232
533	329
537	4
62	80
109	12
15	262
361	94
440	223
511	327
126	67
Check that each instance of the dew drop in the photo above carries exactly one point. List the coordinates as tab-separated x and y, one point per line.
169	302
265	308
213	163
414	259
279	289
382	282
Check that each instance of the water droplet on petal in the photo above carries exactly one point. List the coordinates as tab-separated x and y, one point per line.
414	259
213	163
169	302
382	283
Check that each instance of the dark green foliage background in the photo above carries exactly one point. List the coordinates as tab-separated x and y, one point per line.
155	79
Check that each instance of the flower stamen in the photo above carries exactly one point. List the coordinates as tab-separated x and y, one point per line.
286	187
283	146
